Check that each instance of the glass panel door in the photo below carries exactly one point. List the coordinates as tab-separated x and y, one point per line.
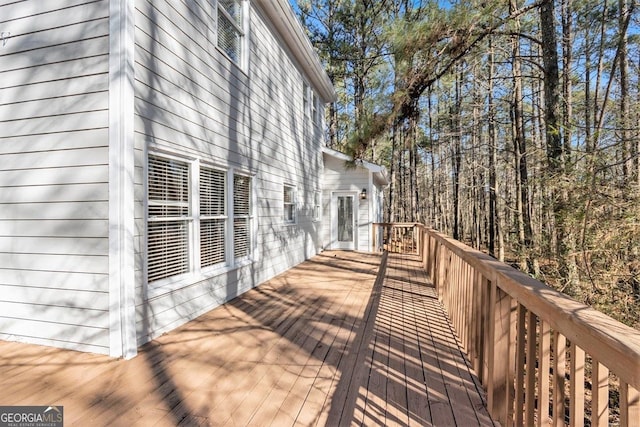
345	218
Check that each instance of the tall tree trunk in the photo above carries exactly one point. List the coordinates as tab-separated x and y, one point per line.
434	181
494	228
520	151
456	158
625	111
588	106
391	215
567	55
476	232
553	136
413	169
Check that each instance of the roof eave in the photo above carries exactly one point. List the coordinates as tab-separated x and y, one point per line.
379	172
281	15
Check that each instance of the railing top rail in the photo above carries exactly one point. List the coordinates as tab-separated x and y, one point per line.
397	224
612	343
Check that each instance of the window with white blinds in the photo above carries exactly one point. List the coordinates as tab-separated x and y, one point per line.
230	31
194	223
241	216
213	217
289	204
168	235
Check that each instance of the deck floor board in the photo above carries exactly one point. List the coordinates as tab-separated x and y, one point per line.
329	342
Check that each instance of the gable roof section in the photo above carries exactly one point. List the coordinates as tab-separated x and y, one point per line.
284	20
379	172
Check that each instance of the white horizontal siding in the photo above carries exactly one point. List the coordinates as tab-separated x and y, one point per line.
37	211
62	105
76	139
54	173
89	300
55	280
57	175
191	100
54	245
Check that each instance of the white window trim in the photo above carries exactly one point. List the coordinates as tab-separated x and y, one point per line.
315	112
244	32
224	217
306	99
293	203
317	206
250	257
196	273
189	218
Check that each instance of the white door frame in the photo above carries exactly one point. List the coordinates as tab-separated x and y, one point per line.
335	244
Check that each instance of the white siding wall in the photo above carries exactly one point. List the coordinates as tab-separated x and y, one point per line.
53	173
338	177
192	101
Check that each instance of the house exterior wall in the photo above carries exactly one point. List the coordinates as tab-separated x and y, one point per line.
340	178
89	90
194	103
54	207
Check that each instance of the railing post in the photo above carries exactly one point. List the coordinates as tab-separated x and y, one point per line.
500	327
374	244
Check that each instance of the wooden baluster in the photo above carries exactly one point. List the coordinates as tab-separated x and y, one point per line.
453	286
499	328
486	295
543	373
468	298
464	270
599	394
374	238
530	386
475	320
629	405
559	370
576	396
521	340
511	367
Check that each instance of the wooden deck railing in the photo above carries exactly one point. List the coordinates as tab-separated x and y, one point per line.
542	357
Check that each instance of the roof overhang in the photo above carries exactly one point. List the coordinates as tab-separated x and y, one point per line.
379	172
285	22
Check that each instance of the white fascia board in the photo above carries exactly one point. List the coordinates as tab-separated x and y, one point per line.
122	320
284	20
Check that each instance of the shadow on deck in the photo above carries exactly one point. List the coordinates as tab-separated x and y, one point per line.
329	342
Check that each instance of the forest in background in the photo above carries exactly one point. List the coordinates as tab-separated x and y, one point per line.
510	125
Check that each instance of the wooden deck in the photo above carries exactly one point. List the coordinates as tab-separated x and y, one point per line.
330	342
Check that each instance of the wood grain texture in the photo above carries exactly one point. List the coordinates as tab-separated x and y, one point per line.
278	355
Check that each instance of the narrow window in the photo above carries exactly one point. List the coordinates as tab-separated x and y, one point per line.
317	205
289	204
314	108
230	31
168	236
241	216
213	216
305	99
